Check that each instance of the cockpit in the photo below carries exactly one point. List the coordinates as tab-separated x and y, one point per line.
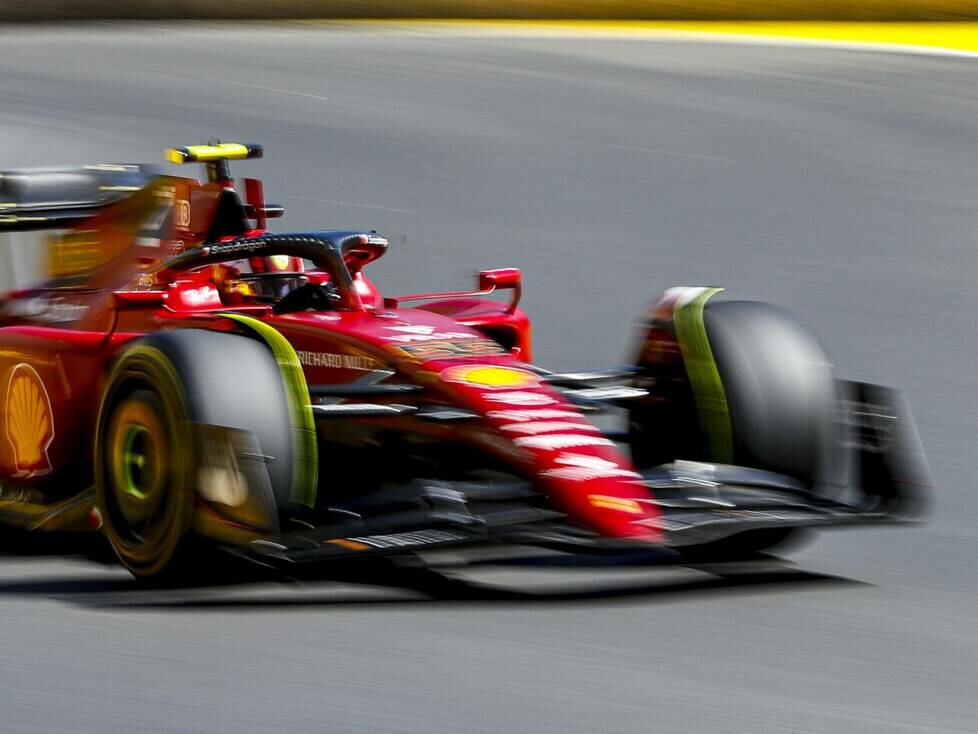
287	283
313	271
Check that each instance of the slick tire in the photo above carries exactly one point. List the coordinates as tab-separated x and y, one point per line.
779	388
777	395
779	398
147	454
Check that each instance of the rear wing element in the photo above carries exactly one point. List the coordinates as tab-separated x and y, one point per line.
55	198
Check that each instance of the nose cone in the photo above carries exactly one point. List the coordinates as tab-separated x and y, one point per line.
588	477
575	465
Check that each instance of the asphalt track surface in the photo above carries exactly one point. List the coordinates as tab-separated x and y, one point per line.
841	184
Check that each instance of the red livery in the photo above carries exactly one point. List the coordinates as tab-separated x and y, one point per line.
192	384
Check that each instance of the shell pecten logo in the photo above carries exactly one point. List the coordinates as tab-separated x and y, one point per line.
491	376
28	421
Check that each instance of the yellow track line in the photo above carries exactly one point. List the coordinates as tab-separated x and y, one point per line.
961	36
958	36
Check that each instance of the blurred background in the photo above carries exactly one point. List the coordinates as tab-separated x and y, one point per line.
800	161
889	10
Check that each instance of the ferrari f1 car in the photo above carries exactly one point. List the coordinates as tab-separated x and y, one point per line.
188	382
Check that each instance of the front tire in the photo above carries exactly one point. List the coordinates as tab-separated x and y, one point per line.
779	389
746	384
771	398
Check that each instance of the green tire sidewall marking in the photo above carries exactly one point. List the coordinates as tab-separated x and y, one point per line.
305	452
704	377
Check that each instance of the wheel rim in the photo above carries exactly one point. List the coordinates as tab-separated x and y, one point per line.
138	460
137	454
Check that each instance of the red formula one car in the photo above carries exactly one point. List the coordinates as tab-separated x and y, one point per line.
189	382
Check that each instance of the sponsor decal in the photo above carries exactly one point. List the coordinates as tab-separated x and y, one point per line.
547	427
615	503
561	441
203	296
337	361
234	248
413	334
181	214
521	416
472	347
29	421
520	397
490	376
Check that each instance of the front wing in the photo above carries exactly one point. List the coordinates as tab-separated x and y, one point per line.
699	503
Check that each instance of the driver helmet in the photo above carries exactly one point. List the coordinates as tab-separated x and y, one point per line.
276	264
284	264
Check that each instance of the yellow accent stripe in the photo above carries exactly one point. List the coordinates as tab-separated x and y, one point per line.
704	377
305	451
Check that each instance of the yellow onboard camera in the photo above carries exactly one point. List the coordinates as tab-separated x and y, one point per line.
213	152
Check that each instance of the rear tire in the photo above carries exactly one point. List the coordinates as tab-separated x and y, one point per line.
145	494
144	476
147	452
